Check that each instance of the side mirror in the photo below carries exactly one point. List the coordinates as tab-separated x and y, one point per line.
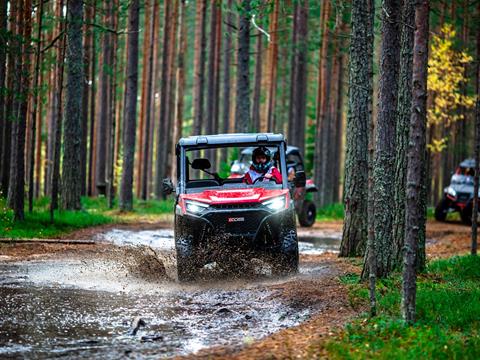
300	179
168	186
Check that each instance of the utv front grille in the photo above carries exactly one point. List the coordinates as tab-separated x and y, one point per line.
236	206
463	197
243	223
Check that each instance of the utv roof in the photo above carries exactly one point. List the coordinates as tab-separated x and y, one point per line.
468	163
249	150
227	139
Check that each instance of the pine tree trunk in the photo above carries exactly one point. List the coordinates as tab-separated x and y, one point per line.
142	133
103	125
180	81
92	93
257	84
384	169
17	172
9	114
242	106
164	115
199	66
56	121
270	72
3	61
227	59
402	127
88	83
415	215
322	136
72	137
476	149
130	109
354	236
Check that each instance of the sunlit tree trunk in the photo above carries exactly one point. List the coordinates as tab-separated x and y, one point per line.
415	216
199	66
322	124
180	80
270	73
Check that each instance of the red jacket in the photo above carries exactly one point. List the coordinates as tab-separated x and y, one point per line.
253	174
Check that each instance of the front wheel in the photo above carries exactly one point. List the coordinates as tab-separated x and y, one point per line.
186	264
308	213
287	263
441	210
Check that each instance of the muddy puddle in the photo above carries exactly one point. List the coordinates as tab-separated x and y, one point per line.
124	303
310	242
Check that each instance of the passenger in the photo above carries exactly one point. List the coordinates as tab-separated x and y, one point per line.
262	166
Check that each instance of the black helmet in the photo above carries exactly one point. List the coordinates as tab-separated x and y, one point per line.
262	150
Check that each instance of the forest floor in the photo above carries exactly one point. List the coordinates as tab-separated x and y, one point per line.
322	287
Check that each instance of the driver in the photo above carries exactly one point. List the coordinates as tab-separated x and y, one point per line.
262	168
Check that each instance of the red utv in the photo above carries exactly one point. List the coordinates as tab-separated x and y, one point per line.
304	206
215	215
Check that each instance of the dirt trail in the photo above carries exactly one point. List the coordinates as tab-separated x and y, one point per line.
317	288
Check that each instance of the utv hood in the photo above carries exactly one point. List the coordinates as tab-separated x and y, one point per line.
235	196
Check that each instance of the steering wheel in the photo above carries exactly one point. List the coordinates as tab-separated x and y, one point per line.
261	177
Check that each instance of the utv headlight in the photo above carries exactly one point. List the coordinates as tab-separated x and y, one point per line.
195	207
451	191
275	204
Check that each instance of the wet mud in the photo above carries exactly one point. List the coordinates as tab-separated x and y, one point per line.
123	301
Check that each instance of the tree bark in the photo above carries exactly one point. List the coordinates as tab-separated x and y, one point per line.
384	169
415	216
130	109
164	110
227	59
9	113
199	66
322	136
477	150
17	172
3	88
92	93
270	73
298	97
354	236
242	106
103	124
257	84
402	128
56	120
180	81
72	136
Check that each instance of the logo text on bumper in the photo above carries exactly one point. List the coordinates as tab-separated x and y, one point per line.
236	219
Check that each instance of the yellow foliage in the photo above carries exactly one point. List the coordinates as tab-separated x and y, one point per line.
445	77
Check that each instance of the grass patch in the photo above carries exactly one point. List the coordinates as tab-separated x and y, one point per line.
330	212
95	211
448	317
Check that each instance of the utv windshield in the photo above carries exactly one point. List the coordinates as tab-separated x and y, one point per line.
463	175
227	168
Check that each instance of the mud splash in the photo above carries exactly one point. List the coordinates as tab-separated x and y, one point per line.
82	309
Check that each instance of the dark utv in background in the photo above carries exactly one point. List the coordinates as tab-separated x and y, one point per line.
304	207
458	196
217	218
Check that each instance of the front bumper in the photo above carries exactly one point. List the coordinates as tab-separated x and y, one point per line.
252	228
